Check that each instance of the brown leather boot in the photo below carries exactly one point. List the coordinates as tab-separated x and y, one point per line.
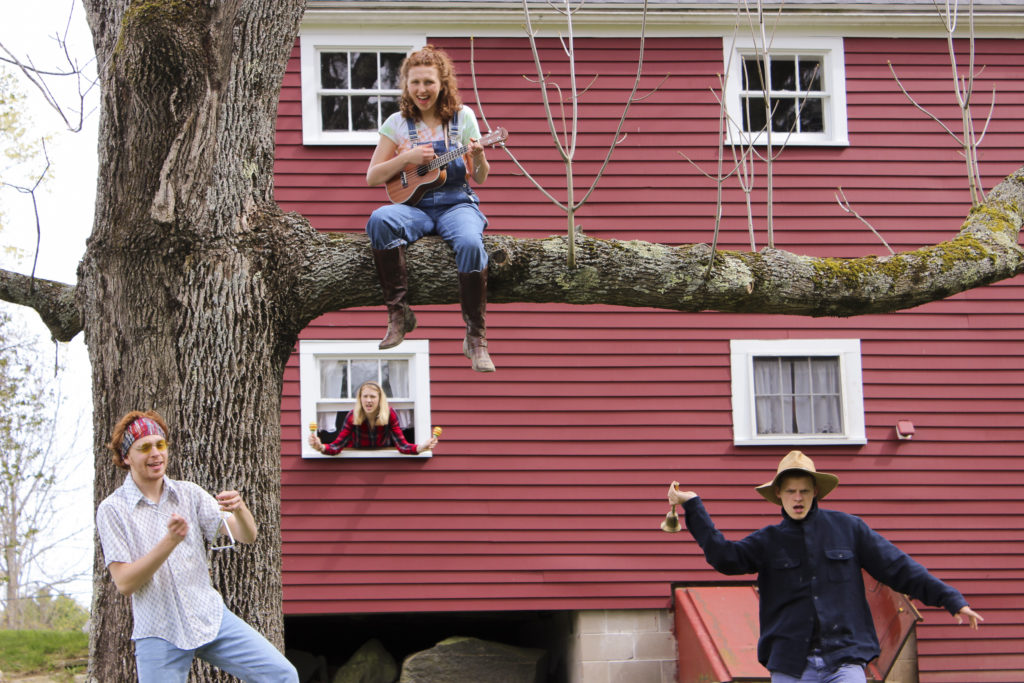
473	296
392	275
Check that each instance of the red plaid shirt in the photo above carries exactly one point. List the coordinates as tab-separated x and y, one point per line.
371	436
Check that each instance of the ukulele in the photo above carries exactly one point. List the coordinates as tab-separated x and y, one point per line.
410	184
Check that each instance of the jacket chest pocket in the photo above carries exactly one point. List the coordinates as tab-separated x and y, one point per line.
783	563
842	565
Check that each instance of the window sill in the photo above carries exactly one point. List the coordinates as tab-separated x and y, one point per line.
791	440
358	454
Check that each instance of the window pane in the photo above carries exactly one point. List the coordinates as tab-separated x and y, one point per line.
364	371
364	113
810	73
801	420
334	112
783	74
390	63
826	375
828	418
364	70
783	115
407	422
333	379
768	414
395	378
334	70
797	395
801	371
388	106
753	114
753	74
812	116
766	376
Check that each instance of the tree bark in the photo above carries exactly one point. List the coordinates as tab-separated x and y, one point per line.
194	286
185	289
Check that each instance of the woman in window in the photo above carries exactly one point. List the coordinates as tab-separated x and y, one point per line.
431	121
371	424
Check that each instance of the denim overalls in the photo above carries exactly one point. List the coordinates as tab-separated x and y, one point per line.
450	211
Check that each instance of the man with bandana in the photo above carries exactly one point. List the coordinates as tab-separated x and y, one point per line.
154	531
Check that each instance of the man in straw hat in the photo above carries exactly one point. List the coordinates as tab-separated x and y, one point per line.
815	622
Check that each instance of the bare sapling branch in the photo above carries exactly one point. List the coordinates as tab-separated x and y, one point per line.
73	115
565	140
968	138
844	204
483	117
31	192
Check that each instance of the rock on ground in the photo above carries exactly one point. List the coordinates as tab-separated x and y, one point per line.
471	660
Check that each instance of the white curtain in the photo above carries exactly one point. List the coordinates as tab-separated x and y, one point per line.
797	395
395	378
333	374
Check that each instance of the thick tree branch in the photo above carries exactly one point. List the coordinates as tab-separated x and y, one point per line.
335	272
53	301
643	274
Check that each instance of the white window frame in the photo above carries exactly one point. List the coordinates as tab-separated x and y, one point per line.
830	49
311	351
314	41
744	425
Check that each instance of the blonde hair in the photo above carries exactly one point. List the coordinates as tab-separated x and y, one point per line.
359	415
448	100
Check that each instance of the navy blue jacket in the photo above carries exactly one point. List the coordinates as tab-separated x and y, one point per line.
813	568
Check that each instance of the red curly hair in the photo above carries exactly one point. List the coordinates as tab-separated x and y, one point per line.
448	100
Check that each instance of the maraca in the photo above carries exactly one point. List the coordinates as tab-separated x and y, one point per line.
437	431
312	427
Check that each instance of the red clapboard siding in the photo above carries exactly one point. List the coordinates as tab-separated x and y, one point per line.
548	488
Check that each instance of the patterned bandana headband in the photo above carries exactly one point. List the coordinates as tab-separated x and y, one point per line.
140	427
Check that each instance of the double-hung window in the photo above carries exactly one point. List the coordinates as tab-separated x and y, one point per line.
796	392
796	89
350	85
330	373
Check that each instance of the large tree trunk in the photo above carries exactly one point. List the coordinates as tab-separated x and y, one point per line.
182	289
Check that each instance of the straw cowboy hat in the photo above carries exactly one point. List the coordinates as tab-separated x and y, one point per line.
797	461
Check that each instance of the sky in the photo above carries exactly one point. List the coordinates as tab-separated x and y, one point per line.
65	208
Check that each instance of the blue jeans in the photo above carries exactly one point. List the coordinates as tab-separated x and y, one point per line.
238	649
817	673
460	225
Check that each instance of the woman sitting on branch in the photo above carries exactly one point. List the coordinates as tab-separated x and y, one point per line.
432	121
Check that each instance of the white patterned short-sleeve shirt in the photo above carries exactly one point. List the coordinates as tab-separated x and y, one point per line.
178	603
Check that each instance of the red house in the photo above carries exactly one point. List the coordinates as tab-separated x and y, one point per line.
536	520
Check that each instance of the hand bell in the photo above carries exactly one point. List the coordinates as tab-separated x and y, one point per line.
671	523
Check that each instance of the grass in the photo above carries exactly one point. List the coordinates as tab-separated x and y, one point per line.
43	651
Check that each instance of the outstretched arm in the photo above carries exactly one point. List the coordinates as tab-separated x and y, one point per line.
728	557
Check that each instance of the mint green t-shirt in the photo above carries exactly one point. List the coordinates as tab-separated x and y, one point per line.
396	130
